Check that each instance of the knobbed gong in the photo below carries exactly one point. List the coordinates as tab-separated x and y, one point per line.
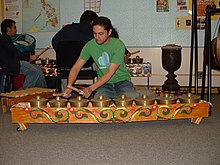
171	61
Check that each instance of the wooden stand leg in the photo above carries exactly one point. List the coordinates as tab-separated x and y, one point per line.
196	120
4	108
23	126
4	104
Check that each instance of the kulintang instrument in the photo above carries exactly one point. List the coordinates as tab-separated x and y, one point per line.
101	110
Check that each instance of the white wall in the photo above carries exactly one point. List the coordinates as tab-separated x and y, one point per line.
137	22
153	55
71	11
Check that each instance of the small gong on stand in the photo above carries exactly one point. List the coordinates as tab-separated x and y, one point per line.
171	61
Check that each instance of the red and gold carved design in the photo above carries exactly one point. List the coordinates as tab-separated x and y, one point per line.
110	115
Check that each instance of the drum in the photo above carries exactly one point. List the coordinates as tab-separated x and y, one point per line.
171	62
215	52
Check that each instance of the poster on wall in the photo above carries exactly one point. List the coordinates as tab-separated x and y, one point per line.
40	16
183	23
181	5
93	5
201	7
162	5
11	10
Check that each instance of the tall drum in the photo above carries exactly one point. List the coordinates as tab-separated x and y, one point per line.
171	61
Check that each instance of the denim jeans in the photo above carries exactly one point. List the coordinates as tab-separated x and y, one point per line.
115	90
34	76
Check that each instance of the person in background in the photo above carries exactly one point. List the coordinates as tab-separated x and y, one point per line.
76	31
108	54
81	31
14	62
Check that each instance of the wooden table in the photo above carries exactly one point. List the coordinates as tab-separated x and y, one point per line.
25	115
14	97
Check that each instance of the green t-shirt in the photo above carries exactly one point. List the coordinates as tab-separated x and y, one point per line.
106	54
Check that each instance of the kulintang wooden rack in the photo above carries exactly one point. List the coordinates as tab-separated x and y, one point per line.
24	115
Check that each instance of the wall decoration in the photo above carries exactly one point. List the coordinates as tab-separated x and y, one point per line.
162	5
183	23
181	5
93	5
11	10
201	7
40	16
201	23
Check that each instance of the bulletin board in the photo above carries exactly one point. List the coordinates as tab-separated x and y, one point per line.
139	22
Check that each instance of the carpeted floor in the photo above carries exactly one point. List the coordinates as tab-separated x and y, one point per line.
174	142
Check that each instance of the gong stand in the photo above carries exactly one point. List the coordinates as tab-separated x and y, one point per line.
207	53
194	35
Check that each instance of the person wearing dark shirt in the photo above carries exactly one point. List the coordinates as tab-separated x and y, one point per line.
76	31
108	53
14	62
81	31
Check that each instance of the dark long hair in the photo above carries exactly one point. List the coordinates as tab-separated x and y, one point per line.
104	22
